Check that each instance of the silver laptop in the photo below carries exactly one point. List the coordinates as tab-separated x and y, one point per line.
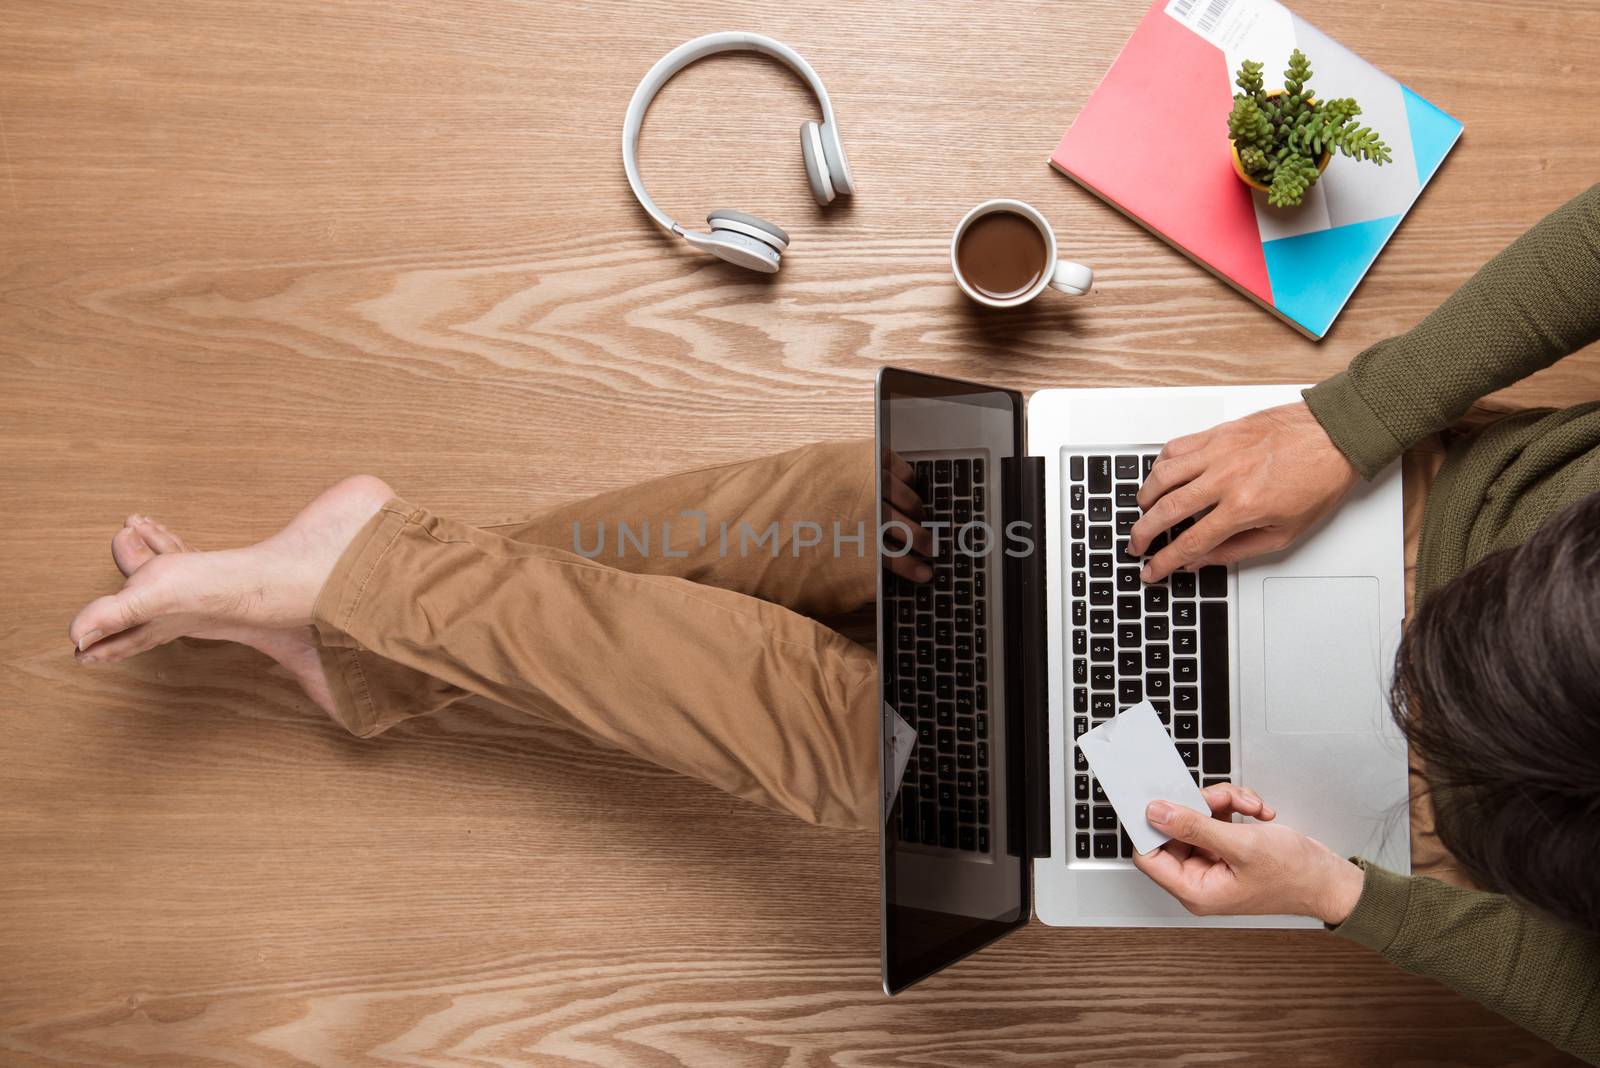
1036	627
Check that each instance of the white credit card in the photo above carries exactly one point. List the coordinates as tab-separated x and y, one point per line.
899	739
1137	763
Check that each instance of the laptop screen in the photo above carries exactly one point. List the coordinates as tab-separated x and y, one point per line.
954	850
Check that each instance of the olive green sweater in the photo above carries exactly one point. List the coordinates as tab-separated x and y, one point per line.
1531	305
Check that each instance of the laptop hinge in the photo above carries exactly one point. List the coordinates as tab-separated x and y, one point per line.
1023	545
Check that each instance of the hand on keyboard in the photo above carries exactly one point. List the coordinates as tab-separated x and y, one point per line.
1215	867
1265	479
903	505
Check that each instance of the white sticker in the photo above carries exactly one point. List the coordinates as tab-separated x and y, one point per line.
899	739
1225	23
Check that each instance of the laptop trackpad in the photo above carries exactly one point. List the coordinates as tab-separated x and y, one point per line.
1323	670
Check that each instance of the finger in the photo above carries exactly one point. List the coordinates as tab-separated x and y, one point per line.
1188	548
913	568
896	465
1180	504
1243	546
1198	829
921	540
1164	868
1167	475
1225	798
902	497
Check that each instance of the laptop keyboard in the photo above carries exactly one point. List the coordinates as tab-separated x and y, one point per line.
1127	641
939	671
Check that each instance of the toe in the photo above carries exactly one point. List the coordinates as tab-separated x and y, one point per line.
130	551
159	537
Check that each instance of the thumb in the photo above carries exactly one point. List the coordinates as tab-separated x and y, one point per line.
1187	825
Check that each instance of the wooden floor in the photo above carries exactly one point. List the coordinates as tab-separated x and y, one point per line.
246	248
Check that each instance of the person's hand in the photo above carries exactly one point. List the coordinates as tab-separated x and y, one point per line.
1265	479
1216	867
903	505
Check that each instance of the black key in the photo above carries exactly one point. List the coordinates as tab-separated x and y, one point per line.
977	471
1216	759
1158	657
1130	691
1084	843
947	741
983	782
1214	667
1105	846
1155	599
1080	700
966	731
1099	537
963	477
1080	787
1163	709
944	632
941	470
1100	797
1080	613
1099	593
1100	566
924	597
1128	635
980	643
1184	643
1077	526
1105	818
1155	630
1185	727
1212	781
945	688
1100	622
1080	642
1101	650
966	758
1102	706
1125	522
967	838
904	612
977	491
1128	607
1127	467
1184	669
930	822
1126	845
924	470
1080	726
1079	554
1075	468
947	713
944	660
1080	817
1123	555
947	833
964	645
1183	614
1077	495
967	810
1130	662
925	733
1102	679
1127	579
947	795
967	783
1183	584
943	579
1158	684
1148	464
1099	509
1190	752
1127	495
1185	698
1099	474
1213	581
983	726
1078	762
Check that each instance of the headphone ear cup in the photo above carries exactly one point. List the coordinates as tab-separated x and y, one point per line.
742	222
816	161
838	163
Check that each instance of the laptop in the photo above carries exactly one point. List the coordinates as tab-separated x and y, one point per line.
1036	627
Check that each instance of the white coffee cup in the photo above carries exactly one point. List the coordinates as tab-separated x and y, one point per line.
1071	278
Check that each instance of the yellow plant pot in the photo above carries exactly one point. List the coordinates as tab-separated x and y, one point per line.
1244	176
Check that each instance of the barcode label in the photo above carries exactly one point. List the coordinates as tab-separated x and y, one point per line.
1222	22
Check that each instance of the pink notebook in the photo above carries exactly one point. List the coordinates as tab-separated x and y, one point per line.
1152	140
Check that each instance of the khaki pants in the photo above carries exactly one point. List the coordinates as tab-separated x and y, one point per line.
697	651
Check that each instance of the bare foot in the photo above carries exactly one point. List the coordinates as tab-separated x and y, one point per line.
261	596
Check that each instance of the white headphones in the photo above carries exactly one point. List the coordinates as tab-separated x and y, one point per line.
737	236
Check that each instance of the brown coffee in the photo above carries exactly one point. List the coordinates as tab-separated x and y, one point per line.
1002	255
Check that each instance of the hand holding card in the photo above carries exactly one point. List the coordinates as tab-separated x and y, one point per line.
1137	763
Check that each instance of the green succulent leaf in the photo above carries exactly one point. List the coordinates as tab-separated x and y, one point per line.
1293	177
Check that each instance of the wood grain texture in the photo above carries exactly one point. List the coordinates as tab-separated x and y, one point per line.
246	248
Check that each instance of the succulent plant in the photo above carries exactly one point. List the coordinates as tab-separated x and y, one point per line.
1281	136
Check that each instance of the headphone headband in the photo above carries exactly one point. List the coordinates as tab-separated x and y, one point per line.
671	64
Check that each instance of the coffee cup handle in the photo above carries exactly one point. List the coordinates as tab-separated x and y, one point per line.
1073	278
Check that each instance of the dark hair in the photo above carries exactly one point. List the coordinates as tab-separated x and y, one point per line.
1497	688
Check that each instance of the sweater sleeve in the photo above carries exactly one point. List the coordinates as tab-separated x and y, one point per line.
1535	302
1528	968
